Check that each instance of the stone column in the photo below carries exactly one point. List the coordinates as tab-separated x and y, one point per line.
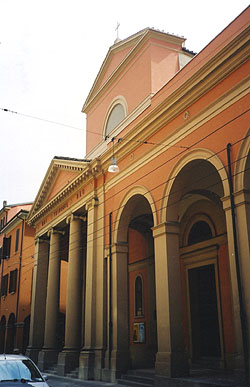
171	359
49	353
38	304
68	359
87	356
117	359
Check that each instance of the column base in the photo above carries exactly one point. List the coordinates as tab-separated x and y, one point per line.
109	375
99	363
86	365
68	360
171	364
116	365
47	358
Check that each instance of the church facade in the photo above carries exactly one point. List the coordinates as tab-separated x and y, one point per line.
142	248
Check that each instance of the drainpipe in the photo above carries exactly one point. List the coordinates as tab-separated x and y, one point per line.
2	260
19	280
110	289
243	317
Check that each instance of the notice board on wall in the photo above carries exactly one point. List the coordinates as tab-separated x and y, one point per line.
139	332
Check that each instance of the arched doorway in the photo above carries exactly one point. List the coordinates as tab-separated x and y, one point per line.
11	331
2	334
60	331
194	201
26	330
200	260
134	230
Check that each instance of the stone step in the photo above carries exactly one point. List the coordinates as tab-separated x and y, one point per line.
73	374
130	383
136	378
51	370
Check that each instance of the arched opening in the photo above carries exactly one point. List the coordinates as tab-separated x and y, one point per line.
11	331
199	232
60	331
134	229
116	115
139	297
26	330
195	202
2	334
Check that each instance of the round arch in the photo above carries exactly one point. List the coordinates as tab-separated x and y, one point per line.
133	256
193	156
119	100
241	164
2	333
11	331
121	221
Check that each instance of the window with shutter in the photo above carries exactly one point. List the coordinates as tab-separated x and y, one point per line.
6	247
13	281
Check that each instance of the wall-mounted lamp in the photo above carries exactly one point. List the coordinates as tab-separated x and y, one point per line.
113	168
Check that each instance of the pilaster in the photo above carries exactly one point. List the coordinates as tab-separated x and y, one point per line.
117	358
238	361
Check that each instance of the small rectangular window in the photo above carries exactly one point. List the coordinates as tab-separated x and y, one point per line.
6	247
17	239
4	285
13	281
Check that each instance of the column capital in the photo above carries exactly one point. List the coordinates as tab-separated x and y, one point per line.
72	217
40	240
92	203
166	228
55	231
119	247
240	197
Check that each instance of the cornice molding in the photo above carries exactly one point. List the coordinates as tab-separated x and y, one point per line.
91	170
102	146
96	93
227	99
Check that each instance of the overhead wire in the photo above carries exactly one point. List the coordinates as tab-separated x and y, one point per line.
172	193
177	155
173	177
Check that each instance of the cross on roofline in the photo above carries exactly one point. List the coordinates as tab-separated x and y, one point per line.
117	29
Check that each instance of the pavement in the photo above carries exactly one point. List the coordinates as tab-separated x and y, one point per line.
199	378
60	381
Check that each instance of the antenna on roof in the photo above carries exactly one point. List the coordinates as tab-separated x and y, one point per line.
117	29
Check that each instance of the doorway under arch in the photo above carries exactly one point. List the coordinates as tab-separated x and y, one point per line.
11	331
134	229
2	334
194	201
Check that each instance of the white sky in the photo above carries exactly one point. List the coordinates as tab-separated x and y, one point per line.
50	53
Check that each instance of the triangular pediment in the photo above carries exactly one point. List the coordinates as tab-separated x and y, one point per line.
61	172
116	55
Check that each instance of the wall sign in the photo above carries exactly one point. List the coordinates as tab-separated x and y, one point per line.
139	332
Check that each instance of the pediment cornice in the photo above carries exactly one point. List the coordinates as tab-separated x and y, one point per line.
136	42
86	172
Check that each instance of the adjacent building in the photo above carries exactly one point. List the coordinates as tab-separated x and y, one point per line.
17	259
142	248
